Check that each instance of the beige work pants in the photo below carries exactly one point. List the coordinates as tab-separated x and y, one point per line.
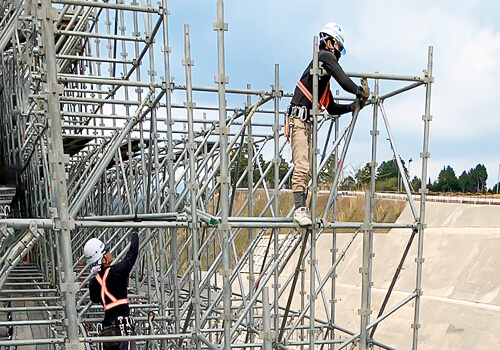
300	144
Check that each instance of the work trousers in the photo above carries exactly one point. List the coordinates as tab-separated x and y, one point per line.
300	143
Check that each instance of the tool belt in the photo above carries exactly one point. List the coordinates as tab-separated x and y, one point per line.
299	112
122	325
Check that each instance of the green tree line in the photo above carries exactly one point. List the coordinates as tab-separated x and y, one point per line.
387	178
473	181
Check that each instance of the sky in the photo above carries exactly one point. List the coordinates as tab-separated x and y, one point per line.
386	36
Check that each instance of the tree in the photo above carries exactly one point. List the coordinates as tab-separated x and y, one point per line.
495	189
387	170
479	176
283	169
464	182
239	166
447	181
327	174
390	184
388	176
363	176
416	183
348	184
429	185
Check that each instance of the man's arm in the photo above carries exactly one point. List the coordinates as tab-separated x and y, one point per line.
333	68
128	262
95	291
338	109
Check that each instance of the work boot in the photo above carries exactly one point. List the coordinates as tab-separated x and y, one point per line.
302	216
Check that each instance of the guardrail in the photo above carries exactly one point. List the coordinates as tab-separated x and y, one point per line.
464	199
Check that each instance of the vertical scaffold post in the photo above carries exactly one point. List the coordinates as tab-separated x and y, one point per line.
193	186
250	168
314	161
168	86
276	135
266	320
224	179
333	298
425	155
366	270
63	223
374	133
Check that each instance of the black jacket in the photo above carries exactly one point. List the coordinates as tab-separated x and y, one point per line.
331	68
117	282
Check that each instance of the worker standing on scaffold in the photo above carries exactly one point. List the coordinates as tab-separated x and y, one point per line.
299	117
109	288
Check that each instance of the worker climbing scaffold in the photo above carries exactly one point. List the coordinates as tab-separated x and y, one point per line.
299	116
109	288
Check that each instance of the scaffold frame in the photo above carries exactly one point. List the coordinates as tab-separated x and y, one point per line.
91	114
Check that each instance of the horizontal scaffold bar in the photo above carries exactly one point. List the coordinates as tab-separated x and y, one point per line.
137	8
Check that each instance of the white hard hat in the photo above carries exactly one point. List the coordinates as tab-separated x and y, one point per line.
335	31
94	250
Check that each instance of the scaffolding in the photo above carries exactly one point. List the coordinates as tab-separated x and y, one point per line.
102	132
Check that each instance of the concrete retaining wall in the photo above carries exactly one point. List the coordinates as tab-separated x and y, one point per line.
461	279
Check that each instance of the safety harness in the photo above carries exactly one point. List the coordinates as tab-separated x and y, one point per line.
105	293
301	112
323	102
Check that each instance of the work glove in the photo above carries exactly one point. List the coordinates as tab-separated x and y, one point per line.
366	91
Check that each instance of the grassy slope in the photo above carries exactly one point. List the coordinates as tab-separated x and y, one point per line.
350	208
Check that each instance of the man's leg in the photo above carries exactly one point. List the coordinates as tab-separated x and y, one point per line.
128	329
301	173
107	331
300	156
128	345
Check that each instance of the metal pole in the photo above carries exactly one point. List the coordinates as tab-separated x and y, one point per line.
401	177
342	157
314	192
266	320
374	134
250	168
277	158
168	86
63	223
193	186
333	299
423	191
225	180
365	270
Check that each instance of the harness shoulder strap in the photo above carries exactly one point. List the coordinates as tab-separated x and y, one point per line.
105	293
323	102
